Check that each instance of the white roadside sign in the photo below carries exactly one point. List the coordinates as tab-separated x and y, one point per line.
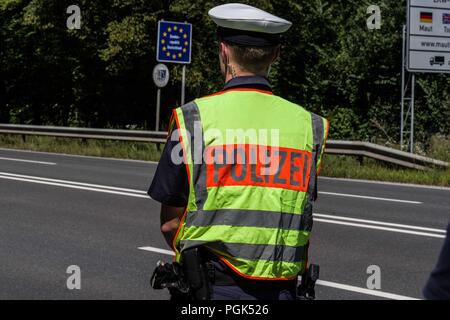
428	36
161	75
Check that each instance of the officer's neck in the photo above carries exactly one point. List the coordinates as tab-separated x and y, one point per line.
232	70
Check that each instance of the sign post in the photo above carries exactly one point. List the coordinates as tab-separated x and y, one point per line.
183	84
161	78
174	46
426	49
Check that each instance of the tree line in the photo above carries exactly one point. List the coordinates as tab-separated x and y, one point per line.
101	74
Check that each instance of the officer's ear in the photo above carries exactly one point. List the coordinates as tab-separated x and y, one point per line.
223	58
224	52
277	54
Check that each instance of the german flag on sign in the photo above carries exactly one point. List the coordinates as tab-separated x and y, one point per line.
426	17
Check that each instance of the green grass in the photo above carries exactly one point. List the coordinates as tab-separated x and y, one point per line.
87	147
333	166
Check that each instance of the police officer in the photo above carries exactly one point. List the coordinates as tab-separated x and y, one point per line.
246	201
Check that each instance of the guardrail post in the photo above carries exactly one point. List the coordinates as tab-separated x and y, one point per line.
361	160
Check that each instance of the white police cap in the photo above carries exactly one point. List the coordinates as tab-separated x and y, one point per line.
242	24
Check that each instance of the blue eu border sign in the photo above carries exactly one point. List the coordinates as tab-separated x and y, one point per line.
174	42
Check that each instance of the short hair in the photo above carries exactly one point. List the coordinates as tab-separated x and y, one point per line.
253	59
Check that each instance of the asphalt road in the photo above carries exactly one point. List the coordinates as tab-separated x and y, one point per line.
59	210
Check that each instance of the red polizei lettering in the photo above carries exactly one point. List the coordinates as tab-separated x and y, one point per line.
254	165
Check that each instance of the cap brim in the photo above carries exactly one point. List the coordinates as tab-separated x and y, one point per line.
247	38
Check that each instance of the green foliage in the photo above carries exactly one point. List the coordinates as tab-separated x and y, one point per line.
100	75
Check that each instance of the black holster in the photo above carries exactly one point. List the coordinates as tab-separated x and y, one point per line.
170	276
188	281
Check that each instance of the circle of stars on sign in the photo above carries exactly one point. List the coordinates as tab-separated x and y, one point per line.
184	41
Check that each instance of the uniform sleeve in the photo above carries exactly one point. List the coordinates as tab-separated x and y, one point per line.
170	184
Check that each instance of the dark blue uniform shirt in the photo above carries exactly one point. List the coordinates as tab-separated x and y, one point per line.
170	184
438	285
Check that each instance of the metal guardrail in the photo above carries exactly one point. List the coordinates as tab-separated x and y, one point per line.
382	153
337	147
85	133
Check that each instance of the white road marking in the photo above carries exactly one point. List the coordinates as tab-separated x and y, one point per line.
361	223
335	285
376	293
78	156
156	162
387	183
366	226
28	161
367	197
71	186
72	183
405	226
158	250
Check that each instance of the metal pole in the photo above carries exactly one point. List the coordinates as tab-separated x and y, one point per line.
403	88
412	112
183	84
158	104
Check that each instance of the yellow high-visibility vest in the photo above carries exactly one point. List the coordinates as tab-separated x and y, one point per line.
250	199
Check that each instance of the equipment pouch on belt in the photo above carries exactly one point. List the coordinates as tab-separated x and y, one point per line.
305	290
196	274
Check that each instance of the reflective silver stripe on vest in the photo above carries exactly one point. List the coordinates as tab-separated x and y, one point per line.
244	218
192	119
253	251
318	136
